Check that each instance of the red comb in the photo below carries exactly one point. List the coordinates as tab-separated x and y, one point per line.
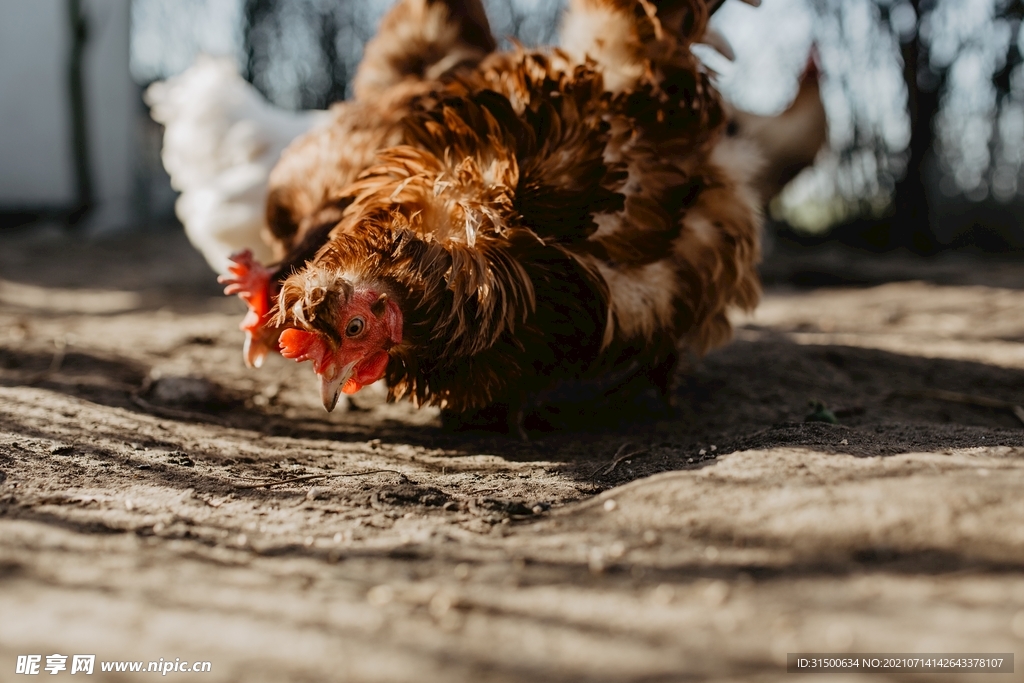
300	345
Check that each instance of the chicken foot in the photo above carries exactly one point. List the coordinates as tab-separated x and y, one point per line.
251	281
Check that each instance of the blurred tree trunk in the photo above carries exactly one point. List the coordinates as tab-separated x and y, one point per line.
255	15
327	37
911	226
79	128
265	43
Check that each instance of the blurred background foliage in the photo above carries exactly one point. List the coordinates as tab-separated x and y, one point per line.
925	98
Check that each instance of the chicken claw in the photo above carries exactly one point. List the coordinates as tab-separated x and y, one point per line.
250	280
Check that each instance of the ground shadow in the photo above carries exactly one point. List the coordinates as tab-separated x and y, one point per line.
158	265
828	263
749	395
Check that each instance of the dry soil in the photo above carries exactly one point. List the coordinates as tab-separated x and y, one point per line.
704	545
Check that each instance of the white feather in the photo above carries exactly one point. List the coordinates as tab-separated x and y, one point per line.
221	140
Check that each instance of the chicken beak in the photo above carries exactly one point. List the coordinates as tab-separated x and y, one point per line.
330	387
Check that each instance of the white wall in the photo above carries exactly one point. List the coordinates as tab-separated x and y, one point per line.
35	129
36	163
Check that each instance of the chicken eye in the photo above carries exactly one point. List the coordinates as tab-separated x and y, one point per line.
355	327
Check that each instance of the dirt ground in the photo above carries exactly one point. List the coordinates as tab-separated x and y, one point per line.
133	526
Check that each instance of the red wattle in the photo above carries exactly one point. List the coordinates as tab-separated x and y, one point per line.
367	372
373	368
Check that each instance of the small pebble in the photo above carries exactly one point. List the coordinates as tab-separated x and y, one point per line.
180	458
193	391
610	505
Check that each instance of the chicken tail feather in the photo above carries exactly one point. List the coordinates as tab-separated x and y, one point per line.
423	39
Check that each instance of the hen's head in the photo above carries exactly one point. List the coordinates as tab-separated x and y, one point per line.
346	329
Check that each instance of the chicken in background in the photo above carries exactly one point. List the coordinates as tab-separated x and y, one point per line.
789	142
221	140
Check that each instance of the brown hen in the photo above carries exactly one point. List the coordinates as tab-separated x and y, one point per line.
497	227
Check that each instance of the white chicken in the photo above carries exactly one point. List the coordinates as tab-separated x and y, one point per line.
221	140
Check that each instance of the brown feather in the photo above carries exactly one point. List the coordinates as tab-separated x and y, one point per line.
423	40
538	217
